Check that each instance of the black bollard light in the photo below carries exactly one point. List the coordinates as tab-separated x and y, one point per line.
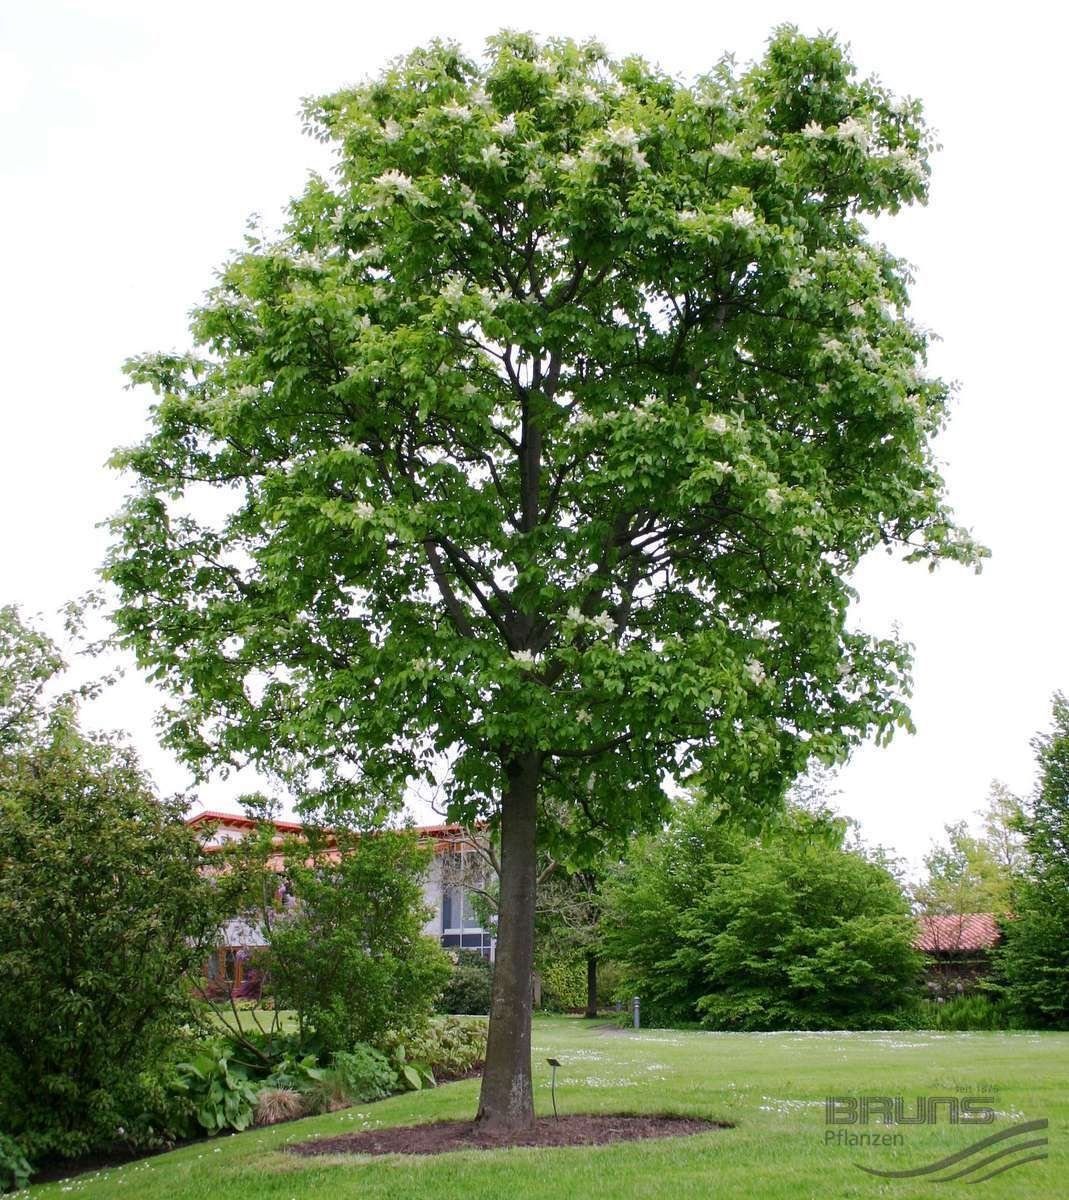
554	1064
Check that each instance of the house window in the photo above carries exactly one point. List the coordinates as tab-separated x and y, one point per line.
224	966
461	927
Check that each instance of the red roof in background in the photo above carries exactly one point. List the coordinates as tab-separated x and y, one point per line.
224	818
211	816
965	931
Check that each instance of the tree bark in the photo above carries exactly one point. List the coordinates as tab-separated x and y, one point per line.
591	984
506	1101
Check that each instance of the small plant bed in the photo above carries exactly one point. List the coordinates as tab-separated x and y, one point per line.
443	1137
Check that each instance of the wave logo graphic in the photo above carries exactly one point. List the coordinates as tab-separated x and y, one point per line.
970	1164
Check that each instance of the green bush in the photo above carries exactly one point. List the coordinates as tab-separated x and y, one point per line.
610	983
468	988
564	985
222	1092
977	1011
352	959
102	910
364	1073
447	1046
784	928
14	1168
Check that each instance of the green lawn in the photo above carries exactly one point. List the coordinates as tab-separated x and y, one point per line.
770	1086
250	1013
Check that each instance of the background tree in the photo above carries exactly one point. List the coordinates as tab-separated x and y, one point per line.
102	909
970	874
1035	956
544	439
567	918
782	928
29	660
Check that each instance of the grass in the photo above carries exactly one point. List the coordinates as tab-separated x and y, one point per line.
250	1013
770	1086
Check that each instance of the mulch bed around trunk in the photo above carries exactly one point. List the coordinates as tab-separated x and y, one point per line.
441	1137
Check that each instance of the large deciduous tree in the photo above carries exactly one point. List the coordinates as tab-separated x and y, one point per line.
545	435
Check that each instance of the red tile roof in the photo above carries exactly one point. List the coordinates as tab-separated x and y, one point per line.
213	816
952	934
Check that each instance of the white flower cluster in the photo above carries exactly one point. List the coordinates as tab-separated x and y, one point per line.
623	136
743	218
726	150
775	498
248	392
766	154
602	621
400	184
907	161
453	292
506	127
391	131
363	510
459	112
800	279
493	155
813	130
715	423
626	138
524	657
468	205
852	130
755	671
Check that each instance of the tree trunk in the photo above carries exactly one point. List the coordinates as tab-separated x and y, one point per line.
506	1101
591	984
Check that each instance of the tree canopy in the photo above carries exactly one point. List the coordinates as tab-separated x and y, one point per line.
1035	957
541	442
970	874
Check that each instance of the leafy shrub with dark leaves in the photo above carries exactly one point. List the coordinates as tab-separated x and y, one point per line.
468	987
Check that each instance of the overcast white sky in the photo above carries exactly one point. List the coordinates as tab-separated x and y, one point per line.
136	138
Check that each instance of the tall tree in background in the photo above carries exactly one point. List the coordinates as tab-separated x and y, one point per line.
543	440
975	874
1035	957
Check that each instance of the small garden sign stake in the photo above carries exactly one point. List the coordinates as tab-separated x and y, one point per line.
554	1064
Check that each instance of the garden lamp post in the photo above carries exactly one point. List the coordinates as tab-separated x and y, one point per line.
554	1064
